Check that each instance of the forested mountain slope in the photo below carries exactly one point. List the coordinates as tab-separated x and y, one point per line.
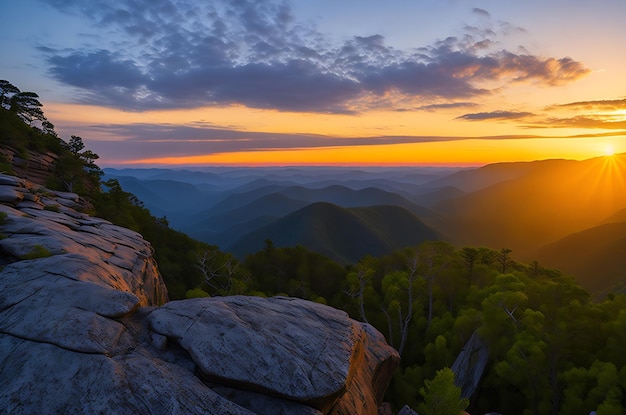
549	201
343	234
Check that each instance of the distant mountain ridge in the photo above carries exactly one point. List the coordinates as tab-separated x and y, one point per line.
336	194
343	234
543	210
274	204
551	199
596	256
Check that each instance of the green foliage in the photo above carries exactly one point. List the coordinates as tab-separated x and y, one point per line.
38	251
7	90
196	293
441	396
3	218
5	165
21	137
76	171
52	208
27	106
595	388
295	271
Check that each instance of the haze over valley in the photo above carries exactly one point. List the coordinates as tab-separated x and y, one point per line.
565	214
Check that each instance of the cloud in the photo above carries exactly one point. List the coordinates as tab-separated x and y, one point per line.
98	68
550	71
449	105
604	105
207	139
481	12
148	141
184	54
604	121
495	115
593	114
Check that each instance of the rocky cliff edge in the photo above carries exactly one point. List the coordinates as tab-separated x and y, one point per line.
85	327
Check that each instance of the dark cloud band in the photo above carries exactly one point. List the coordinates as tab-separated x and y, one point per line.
495	115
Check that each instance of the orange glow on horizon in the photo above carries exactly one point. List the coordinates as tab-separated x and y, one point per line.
470	152
337	129
607	180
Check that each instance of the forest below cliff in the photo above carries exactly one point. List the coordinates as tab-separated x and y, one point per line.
553	347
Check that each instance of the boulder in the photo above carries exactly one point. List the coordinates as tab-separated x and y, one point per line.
283	347
262	404
39	377
370	382
406	410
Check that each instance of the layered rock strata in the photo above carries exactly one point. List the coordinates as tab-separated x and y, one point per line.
28	163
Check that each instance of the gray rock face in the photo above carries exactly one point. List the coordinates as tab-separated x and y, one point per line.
406	410
259	333
282	347
469	366
81	330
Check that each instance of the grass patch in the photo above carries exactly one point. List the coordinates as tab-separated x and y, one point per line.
5	165
37	252
52	208
3	218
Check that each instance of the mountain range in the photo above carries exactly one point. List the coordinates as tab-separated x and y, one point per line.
566	214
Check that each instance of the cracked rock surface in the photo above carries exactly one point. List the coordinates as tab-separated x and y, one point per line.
85	327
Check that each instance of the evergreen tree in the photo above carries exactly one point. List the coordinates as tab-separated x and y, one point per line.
7	90
441	395
27	107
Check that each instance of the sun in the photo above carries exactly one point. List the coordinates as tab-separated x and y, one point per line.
609	150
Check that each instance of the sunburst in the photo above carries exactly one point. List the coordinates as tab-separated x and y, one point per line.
609	150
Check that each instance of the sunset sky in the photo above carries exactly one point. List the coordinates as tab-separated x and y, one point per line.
355	82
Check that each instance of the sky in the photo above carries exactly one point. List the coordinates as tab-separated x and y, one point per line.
342	82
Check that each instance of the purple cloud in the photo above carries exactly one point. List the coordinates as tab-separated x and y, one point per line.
481	12
182	54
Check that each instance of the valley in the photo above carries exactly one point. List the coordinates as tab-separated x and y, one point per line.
565	214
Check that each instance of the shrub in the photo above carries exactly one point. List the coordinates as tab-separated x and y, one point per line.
196	293
5	165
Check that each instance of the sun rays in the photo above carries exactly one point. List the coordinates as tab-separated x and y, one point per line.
609	150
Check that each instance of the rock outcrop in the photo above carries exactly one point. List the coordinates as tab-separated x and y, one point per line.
469	366
38	167
85	327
